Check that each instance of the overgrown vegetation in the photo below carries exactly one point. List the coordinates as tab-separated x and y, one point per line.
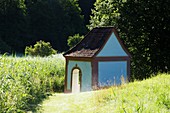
41	48
73	40
147	96
24	82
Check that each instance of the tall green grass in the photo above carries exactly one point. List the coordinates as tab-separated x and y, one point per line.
147	96
25	81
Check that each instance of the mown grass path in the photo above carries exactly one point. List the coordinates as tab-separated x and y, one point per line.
69	103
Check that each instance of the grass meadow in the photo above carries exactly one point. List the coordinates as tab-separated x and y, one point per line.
147	96
26	81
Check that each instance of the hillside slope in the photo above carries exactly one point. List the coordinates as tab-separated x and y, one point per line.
147	96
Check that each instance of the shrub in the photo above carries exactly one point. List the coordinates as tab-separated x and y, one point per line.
41	48
73	40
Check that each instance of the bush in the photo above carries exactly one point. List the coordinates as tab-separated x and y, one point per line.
41	48
73	40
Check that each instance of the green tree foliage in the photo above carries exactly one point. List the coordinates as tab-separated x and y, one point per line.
86	6
41	48
144	27
148	32
73	40
12	23
55	20
23	22
4	47
105	13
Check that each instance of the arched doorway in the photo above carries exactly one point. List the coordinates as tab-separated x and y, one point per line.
76	80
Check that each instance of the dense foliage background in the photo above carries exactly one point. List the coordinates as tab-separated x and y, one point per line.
23	22
143	26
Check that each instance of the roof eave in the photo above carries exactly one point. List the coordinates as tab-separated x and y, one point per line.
78	58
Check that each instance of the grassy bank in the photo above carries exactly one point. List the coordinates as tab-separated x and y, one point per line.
147	96
25	81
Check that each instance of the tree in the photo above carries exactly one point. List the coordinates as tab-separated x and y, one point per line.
23	22
73	40
54	21
144	27
41	48
149	32
105	13
13	23
86	6
4	47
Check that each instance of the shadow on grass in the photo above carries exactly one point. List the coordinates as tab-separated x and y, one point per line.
35	105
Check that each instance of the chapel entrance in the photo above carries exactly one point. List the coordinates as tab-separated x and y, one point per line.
76	81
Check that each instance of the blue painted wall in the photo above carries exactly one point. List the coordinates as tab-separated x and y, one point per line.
112	48
86	74
110	72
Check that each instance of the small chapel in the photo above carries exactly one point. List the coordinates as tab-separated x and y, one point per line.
99	60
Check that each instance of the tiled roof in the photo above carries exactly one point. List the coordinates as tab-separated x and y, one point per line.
92	42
